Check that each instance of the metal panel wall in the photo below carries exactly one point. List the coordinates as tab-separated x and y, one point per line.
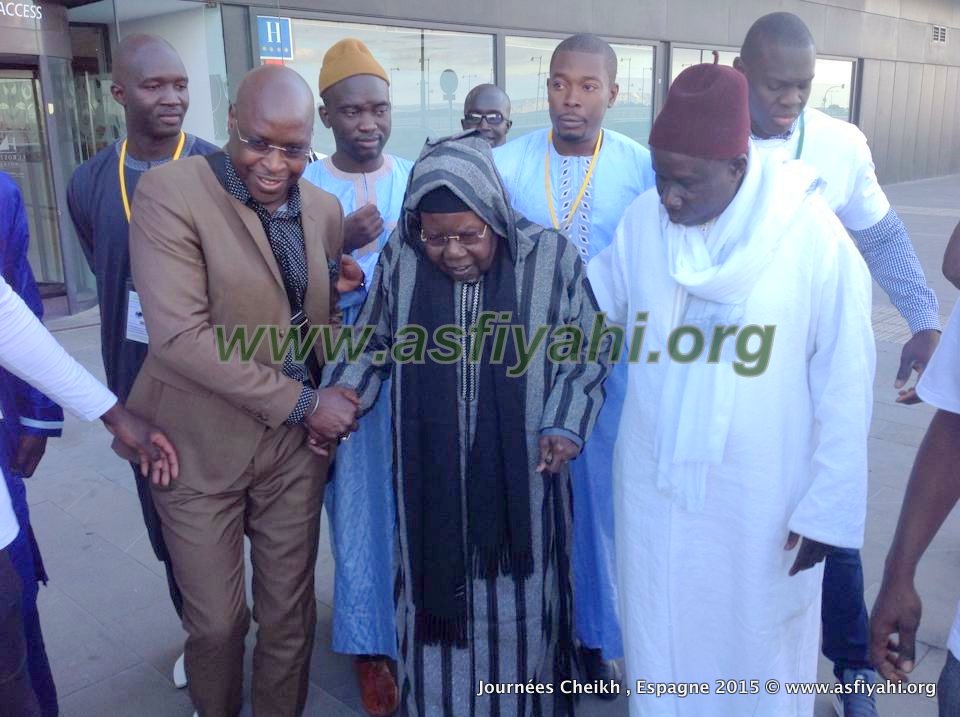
880	139
951	124
935	136
925	121
891	162
869	96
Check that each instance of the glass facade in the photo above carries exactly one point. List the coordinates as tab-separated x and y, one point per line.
832	90
527	65
25	157
99	118
415	59
60	102
56	112
683	57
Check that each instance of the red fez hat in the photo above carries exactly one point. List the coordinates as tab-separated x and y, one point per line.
707	114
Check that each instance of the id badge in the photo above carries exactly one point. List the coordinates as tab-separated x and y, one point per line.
136	326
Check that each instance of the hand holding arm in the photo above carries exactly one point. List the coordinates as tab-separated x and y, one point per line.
141	442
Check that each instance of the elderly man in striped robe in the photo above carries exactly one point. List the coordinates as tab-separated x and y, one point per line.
482	320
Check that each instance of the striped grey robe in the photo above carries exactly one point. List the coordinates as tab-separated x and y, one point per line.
520	631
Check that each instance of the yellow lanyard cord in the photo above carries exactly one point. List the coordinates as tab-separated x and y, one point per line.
123	179
583	187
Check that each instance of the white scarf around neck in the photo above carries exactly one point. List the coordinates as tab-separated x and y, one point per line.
716	273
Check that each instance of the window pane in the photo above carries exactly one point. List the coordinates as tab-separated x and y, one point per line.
528	66
420	106
632	114
527	69
832	88
684	57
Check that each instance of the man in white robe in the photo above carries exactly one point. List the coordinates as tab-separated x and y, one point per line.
732	453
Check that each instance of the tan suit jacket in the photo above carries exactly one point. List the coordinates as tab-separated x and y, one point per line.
201	259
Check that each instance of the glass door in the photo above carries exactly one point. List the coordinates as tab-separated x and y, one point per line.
24	156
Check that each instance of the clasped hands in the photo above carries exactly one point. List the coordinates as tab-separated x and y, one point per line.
333	420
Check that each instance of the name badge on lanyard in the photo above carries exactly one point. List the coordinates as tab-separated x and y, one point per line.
136	326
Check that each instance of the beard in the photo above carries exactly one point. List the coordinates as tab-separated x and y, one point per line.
572	137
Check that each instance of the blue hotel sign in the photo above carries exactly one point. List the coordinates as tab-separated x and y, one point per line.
275	38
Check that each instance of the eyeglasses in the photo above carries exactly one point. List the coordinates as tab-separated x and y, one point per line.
439	241
475	118
258	146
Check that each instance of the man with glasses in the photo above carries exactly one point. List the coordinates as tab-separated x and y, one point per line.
219	246
355	94
487	110
150	83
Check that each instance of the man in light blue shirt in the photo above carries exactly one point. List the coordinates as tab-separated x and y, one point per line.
579	178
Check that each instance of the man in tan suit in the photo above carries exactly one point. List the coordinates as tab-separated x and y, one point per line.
236	240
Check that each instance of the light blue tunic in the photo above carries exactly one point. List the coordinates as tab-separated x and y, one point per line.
622	173
360	502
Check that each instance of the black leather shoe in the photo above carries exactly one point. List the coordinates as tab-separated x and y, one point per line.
604	673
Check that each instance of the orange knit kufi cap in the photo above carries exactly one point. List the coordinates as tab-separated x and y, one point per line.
345	59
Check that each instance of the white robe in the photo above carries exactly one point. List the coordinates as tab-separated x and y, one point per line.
704	594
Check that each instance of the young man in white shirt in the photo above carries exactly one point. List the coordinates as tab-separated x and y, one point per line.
778	59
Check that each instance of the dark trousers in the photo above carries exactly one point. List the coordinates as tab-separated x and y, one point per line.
16	690
843	612
948	688
151	520
25	556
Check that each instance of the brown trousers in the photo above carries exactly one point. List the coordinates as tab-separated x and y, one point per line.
276	503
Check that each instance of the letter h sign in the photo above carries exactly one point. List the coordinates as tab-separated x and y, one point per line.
275	38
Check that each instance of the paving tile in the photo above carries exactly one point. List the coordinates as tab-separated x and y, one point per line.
62	486
110	511
141	551
901	434
329	670
81	651
319	704
139	691
153	634
917	416
100	577
324	572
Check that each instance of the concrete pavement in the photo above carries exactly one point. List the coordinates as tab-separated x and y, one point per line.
113	636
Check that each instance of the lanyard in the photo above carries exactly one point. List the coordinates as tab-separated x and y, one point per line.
583	187
123	179
802	131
